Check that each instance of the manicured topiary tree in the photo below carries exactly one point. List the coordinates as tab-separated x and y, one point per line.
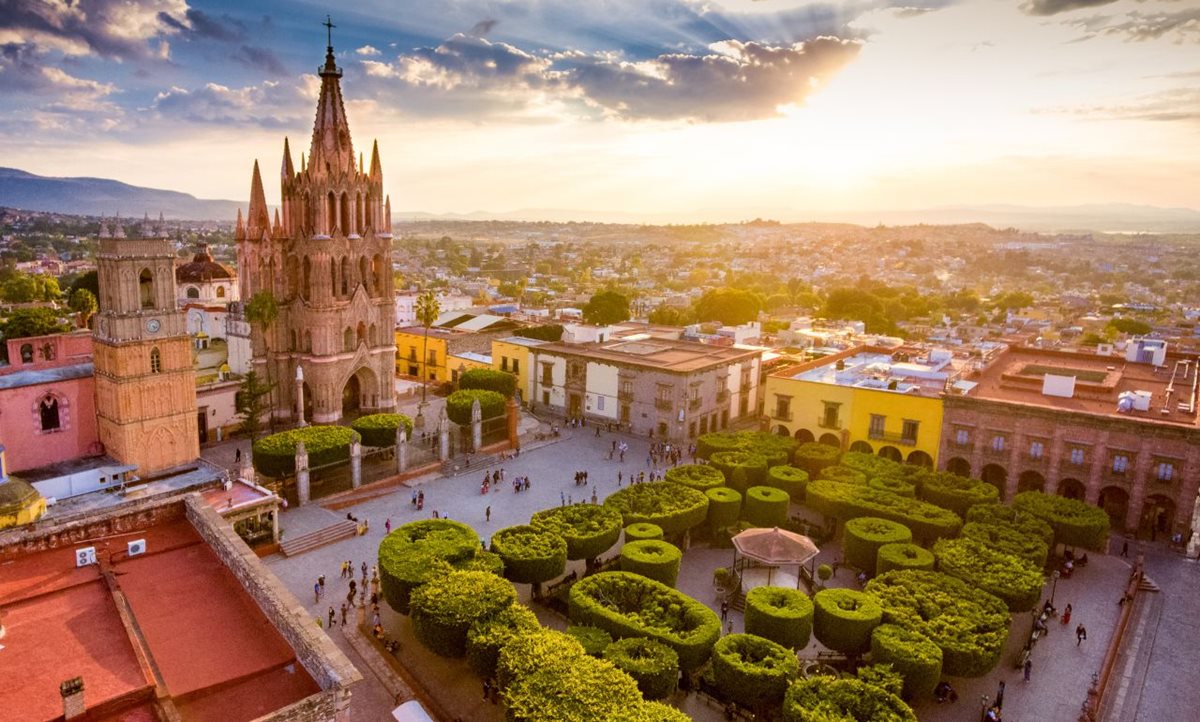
458	405
869	464
903	556
846	501
882	676
1019	541
812	457
843	619
539	649
589	529
707	444
657	560
591	689
863	537
753	468
651	711
724	507
969	625
844	474
956	493
653	665
593	639
826	699
1011	578
753	671
673	507
917	659
501	382
784	616
380	429
444	608
1075	523
643	531
765	506
695	476
776	449
531	556
275	455
487	637
789	480
894	484
418	551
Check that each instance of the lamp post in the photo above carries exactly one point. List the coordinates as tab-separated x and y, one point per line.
983	707
1054	585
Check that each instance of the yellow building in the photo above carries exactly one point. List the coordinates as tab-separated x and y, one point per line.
421	358
20	503
864	399
458	341
512	356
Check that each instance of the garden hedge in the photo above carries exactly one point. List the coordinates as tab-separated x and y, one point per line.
828	699
487	637
653	665
753	671
812	457
1011	578
501	382
847	501
894	484
416	552
903	556
708	444
954	492
701	477
458	405
843	619
630	605
540	648
589	690
788	479
1075	523
650	711
531	555
882	676
863	537
869	464
275	455
969	625
753	467
589	529
643	531
844	474
766	506
724	507
784	616
917	659
653	559
1022	543
593	639
673	507
444	609
777	449
380	429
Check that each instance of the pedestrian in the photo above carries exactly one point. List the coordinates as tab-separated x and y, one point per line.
1080	634
562	498
487	689
729	627
1000	696
237	456
332	616
414	497
353	586
594	498
1028	668
375	619
364	571
387	525
487	514
1066	617
343	573
724	609
321	583
345	608
1125	548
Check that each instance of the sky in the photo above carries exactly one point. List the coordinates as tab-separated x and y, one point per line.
695	110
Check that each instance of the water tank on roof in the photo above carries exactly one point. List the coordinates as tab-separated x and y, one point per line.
1141	400
1125	402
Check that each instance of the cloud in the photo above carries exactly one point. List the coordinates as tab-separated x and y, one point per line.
482	28
1138	26
260	59
269	105
1054	7
198	24
368	50
117	29
1173	105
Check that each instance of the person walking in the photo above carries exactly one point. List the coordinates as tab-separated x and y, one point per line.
1066	617
387	525
487	514
316	592
1000	696
1125	548
237	456
1028	668
724	609
487	689
1080	634
332	616
345	608
321	583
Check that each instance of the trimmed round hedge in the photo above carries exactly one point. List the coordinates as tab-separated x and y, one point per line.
843	474
903	556
538	649
1022	543
487	637
828	699
593	639
869	464
784	616
589	529
630	605
708	444
531	555
812	457
380	429
1011	578
275	455
653	559
650	711
917	659
843	619
969	625
753	467
865	534
591	689
501	382
1075	523
458	405
789	480
444	608
776	449
701	477
847	501
766	506
895	484
724	507
954	492
1007	516
673	507
419	551
643	531
753	671
653	665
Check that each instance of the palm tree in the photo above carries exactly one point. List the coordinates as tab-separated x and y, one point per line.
428	308
263	310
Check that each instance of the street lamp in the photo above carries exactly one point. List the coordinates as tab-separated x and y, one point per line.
1054	585
983	707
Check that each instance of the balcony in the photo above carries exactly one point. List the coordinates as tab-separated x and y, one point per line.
902	440
625	395
694	404
827	423
723	396
664	404
781	415
990	452
1032	460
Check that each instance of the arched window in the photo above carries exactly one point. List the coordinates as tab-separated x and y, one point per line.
333	284
193	292
348	339
308	341
378	271
220	292
368	219
48	413
292	347
373	335
364	274
330	213
307	287
345	215
345	276
26	353
155	360
358	213
362	333
146	288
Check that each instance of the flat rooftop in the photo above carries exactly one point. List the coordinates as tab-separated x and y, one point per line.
875	370
665	354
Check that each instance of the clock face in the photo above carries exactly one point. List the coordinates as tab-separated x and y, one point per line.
153	325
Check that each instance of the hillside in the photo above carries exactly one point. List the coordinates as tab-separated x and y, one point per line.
101	196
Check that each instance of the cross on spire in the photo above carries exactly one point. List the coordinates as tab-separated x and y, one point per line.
329	26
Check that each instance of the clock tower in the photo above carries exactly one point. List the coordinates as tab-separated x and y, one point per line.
145	380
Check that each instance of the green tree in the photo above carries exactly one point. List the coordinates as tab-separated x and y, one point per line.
25	322
251	402
606	307
1130	326
671	316
427	308
729	306
89	281
21	288
84	304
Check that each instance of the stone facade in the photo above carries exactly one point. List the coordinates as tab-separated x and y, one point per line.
326	261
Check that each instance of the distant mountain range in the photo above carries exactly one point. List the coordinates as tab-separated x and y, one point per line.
102	196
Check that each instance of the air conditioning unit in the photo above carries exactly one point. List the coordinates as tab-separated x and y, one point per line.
136	547
85	556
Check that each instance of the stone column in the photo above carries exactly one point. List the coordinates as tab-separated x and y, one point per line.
1013	481
443	437
476	426
401	450
355	464
300	396
1141	470
512	412
1054	461
1100	462
302	488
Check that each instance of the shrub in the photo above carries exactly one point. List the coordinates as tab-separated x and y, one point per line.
657	560
275	455
917	659
380	429
753	467
724	507
870	465
701	477
865	534
643	531
753	671
419	551
444	609
487	637
894	484
593	639
1075	523
789	480
707	444
784	616
630	605
1009	577
589	529
824	572
776	449
812	457
1022	543
589	690
458	405
903	556
501	382
650	711
765	506
826	699
673	507
843	474
531	556
653	665
847	501
843	619
969	625
540	649
881	676
956	493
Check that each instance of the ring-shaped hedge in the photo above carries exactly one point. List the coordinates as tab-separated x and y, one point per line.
894	484
444	608
458	405
275	455
1075	523
487	637
843	619
777	449
593	639
784	616
708	444
753	671
956	493
863	537
1021	543
630	605
917	659
701	477
653	665
1009	577
539	649
813	456
653	559
788	479
1004	515
673	507
969	625
869	464
531	555
650	711
416	552
843	474
724	507
766	506
643	531
828	699
589	529
753	468
380	429
847	501
903	556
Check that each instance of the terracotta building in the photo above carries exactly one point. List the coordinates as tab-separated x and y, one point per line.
326	261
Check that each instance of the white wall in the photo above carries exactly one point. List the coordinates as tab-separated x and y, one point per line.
602	383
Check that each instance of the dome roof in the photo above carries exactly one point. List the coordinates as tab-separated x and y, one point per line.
15	495
202	268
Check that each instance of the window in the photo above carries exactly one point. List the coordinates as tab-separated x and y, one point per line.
433	357
1036	449
220	292
627	389
26	353
876	427
830	418
665	392
155	361
783	407
503	363
599	403
516	366
193	292
146	288
412	353
547	375
546	398
1120	463
1077	456
1165	471
962	437
48	413
998	442
909	431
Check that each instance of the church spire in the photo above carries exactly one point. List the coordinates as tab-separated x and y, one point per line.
258	218
287	171
331	151
240	231
376	166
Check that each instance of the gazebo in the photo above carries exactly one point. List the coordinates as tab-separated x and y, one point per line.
772	548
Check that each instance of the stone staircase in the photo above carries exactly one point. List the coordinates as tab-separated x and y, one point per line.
343	529
1147	585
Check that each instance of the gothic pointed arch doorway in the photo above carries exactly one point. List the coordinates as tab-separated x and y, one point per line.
360	393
